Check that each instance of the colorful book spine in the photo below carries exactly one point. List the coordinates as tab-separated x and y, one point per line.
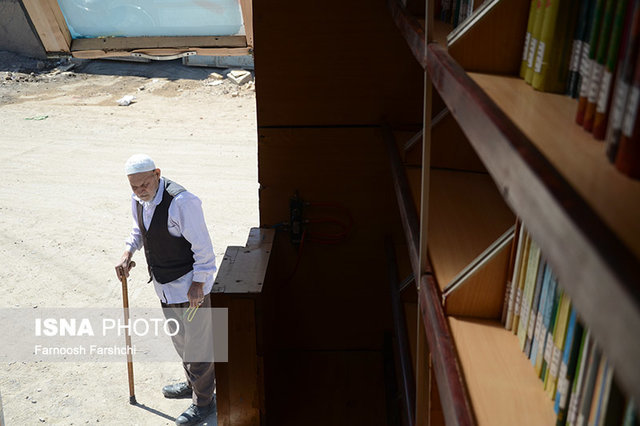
559	337
538	335
548	345
527	38
527	296
630	414
589	384
576	48
521	237
569	367
554	47
628	156
597	68
546	325
598	393
613	51
520	285
534	307
613	411
586	63
577	388
623	81
535	37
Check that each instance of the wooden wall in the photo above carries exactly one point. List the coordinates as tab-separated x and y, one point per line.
328	73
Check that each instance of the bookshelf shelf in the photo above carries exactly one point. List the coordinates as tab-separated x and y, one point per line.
467	214
548	122
502	384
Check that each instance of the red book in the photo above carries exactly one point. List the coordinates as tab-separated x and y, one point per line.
628	157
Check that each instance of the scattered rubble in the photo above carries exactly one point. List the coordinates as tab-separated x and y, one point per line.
239	77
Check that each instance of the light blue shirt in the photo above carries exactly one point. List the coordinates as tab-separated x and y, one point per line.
186	219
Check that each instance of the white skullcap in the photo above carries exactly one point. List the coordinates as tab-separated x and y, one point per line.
139	163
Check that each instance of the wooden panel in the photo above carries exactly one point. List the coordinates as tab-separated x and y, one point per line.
132	43
467	216
502	384
334	299
450	148
243	269
238	382
595	267
327	388
476	44
54	36
482	294
328	76
221	51
247	19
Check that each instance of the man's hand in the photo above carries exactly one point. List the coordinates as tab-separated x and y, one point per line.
195	294
123	268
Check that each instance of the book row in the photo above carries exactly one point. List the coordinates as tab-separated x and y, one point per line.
589	51
575	374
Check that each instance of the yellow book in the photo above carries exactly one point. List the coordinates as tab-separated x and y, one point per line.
519	286
527	38
527	294
535	36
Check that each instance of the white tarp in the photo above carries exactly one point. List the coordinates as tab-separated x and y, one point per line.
137	18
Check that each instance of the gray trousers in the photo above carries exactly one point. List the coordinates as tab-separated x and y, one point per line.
194	342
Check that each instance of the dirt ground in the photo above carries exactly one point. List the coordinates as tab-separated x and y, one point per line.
65	210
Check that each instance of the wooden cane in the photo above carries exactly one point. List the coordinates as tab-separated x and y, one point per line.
127	336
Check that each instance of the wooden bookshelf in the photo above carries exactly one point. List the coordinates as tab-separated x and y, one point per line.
502	383
548	121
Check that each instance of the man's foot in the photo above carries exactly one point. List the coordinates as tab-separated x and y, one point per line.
194	415
177	390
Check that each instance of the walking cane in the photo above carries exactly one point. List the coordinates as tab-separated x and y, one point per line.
127	336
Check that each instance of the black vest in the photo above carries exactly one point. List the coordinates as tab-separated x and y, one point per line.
168	257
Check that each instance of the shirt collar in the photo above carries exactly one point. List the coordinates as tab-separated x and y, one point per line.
156	200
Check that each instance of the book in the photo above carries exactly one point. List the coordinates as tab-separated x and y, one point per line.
455	14
582	28
623	81
519	286
554	46
527	38
547	315
559	336
613	399
521	236
577	387
597	66
538	20
588	59
527	294
548	345
539	333
598	392
511	267
569	367
630	414
445	10
628	156
542	270
584	407
613	50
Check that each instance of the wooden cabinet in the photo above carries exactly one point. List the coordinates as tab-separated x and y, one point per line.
547	171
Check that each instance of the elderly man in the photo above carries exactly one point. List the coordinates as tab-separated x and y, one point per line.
169	223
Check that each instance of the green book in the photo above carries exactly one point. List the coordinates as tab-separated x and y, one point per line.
559	335
548	346
597	67
577	386
554	46
527	38
589	55
535	36
579	39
